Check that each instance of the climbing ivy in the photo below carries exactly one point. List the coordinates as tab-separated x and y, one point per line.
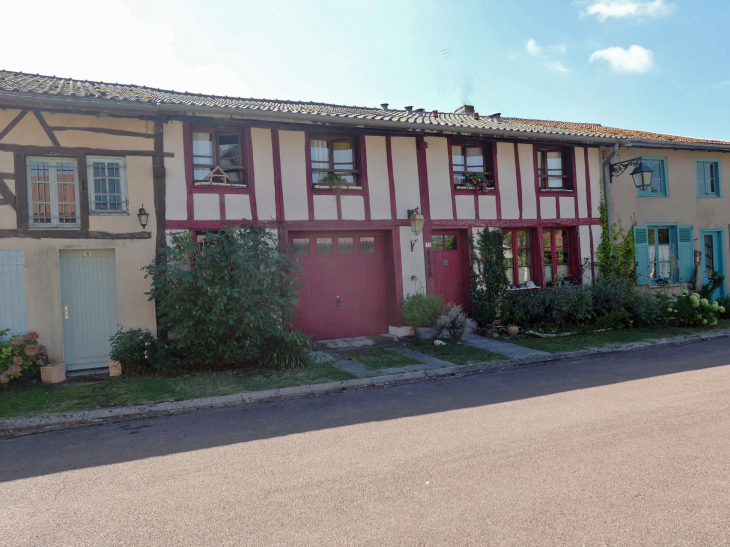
616	258
489	282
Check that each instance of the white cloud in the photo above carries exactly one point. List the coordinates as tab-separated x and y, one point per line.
634	59
605	9
560	48
557	66
533	48
721	85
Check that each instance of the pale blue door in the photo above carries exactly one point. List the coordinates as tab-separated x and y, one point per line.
12	292
88	307
712	258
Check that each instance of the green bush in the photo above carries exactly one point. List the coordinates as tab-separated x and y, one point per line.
419	310
288	350
691	310
137	350
20	355
453	320
226	300
724	303
489	283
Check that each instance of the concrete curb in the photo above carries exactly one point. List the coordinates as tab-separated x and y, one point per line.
25	426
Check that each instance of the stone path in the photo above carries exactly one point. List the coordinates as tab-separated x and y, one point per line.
505	348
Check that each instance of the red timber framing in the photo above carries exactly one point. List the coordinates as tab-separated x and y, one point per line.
391	178
421	145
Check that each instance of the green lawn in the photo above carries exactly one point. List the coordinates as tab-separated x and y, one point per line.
48	399
460	354
377	358
608	338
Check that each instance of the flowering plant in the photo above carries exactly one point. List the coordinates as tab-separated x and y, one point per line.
691	310
20	355
480	182
137	350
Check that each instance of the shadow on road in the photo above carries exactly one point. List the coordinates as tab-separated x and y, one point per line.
58	451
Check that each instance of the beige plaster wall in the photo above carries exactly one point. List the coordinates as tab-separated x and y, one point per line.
580	183
507	172
378	181
413	263
405	174
293	175
488	207
206	207
439	182
238	206
527	178
465	207
595	172
263	173
176	191
548	207
325	207
567	207
353	207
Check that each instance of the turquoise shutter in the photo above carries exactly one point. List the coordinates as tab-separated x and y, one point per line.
641	244
700	174
686	252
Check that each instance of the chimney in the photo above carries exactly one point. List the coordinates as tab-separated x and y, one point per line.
497	117
435	113
465	109
419	111
409	109
384	106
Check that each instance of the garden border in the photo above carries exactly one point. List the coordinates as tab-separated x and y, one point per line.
25	426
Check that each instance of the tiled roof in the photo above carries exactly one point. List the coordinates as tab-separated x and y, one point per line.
37	85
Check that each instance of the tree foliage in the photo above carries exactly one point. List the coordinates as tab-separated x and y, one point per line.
616	258
489	282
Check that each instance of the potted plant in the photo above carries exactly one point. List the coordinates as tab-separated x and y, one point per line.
479	182
335	182
421	311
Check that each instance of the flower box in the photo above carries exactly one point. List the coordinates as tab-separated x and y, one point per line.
115	368
53	373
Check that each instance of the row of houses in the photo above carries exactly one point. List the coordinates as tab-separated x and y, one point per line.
94	177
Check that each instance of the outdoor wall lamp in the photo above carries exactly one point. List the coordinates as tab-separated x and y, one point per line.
143	217
417	220
641	174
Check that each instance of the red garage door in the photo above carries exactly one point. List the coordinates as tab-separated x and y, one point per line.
344	291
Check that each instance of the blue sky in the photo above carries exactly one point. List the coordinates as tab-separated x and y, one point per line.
657	65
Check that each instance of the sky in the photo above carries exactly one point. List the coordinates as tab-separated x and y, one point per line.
655	65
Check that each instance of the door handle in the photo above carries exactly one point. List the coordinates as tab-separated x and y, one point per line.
65	312
338	301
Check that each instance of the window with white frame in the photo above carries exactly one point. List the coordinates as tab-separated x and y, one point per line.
107	178
53	192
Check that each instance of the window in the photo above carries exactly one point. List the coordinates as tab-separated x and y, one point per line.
333	156
367	245
444	242
213	149
324	245
107	184
658	187
300	247
53	197
555	168
664	253
661	253
474	159
345	246
556	249
518	256
708	178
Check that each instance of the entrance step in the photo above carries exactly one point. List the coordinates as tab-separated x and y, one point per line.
356	342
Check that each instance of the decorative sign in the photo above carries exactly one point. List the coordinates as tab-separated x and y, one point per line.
87	253
428	245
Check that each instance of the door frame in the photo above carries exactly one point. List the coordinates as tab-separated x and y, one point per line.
463	242
719	248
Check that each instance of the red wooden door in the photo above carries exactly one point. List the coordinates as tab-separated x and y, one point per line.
450	252
344	284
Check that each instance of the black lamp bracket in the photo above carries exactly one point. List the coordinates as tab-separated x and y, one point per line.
621	166
412	212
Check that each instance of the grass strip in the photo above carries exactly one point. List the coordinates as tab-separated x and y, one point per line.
377	358
460	354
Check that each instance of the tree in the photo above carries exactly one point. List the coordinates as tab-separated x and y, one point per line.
489	283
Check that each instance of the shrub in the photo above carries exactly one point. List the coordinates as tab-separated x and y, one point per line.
419	310
616	257
320	358
453	320
489	284
226	300
690	310
724	303
287	350
137	350
20	355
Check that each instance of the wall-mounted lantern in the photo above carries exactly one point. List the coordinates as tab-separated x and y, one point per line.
641	173
417	220
143	217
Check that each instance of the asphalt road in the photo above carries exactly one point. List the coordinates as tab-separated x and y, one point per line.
621	450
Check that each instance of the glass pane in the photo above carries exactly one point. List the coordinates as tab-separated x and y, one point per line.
324	245
508	240
563	271
524	274
523	238
548	273
229	150
474	159
523	257
457	157
200	174
320	153
202	146
300	247
561	255
652	236
657	183
437	243
548	257
663	236
554	162
511	276
709	259
664	269
345	245
561	238
367	245
546	239
459	179
652	260
235	176
450	243
710	178
342	152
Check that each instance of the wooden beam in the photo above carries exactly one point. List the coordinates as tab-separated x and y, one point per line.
21	191
6	193
45	127
158	185
119	132
6	176
13	123
3	202
72	234
83	191
74	151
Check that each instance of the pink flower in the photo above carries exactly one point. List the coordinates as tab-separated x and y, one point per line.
31	350
42	349
13	370
18	360
39	362
4	378
16	340
32	335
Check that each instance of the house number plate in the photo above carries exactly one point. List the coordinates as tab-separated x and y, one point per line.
87	253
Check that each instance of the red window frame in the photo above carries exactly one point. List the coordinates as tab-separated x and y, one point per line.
515	281
486	162
553	250
566	167
331	139
242	151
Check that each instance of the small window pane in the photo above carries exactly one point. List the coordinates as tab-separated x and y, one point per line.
523	238
437	243
450	243
457	158
324	245
202	148
548	273
511	276
561	238
320	154
563	270
663	236
508	240
345	245
342	153
562	256
548	257
525	275
300	247
229	150
475	159
546	239
367	245
523	257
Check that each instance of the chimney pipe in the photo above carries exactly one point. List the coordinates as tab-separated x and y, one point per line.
409	109
467	109
419	111
384	106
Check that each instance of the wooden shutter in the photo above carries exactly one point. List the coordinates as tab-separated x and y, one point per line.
685	252
12	292
641	244
568	167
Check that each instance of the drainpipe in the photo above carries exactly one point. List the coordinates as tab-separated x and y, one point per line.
607	186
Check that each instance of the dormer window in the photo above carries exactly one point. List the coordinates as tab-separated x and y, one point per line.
218	150
471	159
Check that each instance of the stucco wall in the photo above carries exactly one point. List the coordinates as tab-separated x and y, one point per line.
353	207
507	173
293	175
405	174
413	263
527	178
580	183
263	173
325	208
439	183
465	207
176	193
378	181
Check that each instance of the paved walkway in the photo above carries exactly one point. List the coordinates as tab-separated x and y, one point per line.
429	362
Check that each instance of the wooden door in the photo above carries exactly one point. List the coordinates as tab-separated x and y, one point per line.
12	293
89	309
450	252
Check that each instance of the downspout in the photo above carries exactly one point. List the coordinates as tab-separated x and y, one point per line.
607	186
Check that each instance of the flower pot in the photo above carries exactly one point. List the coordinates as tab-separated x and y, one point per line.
426	333
513	330
115	368
53	373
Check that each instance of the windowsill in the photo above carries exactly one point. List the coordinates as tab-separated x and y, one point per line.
326	187
556	191
220	189
461	190
536	287
651	195
109	213
667	286
60	228
709	196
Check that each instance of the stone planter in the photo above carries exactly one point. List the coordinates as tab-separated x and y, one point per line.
53	373
115	368
512	330
426	333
